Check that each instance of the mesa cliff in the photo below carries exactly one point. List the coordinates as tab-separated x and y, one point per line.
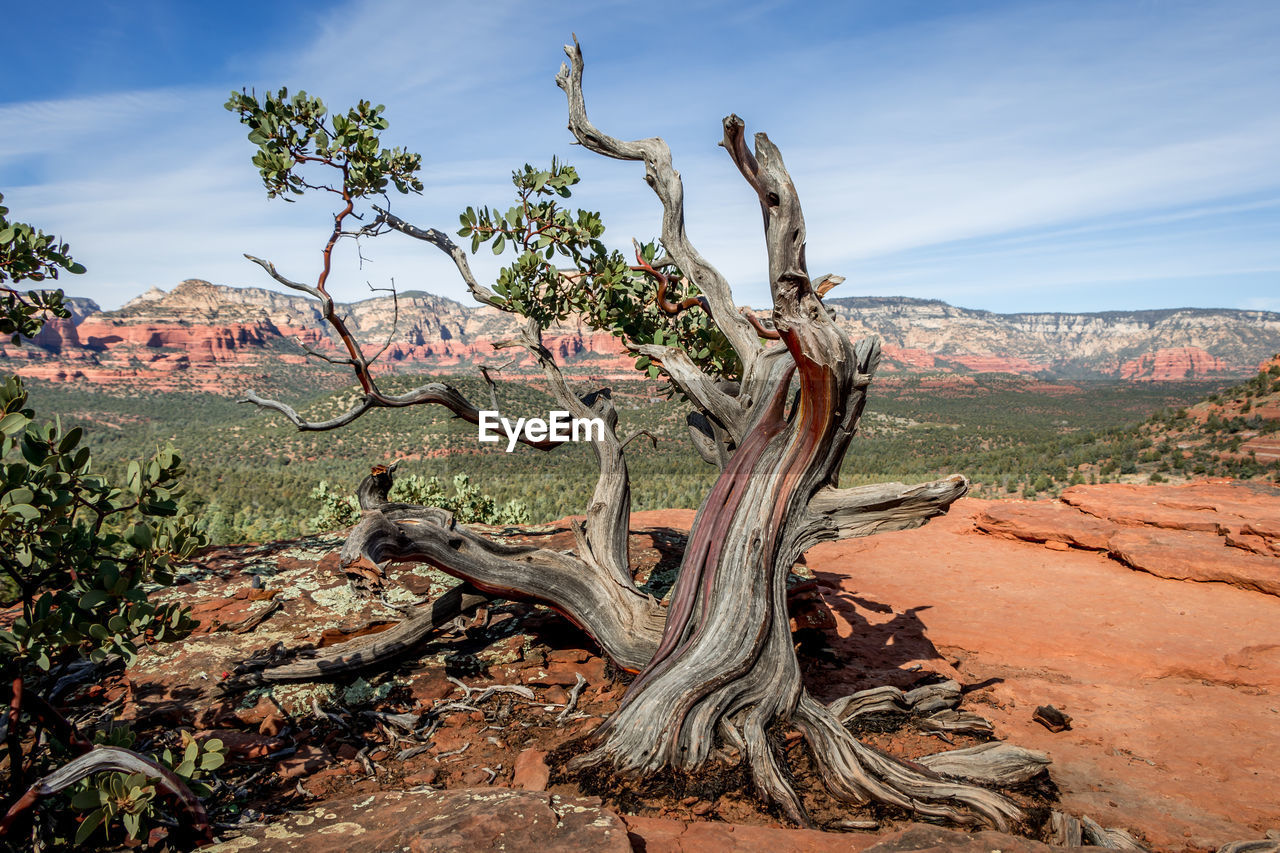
202	336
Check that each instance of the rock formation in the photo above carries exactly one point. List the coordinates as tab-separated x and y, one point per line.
1025	603
206	336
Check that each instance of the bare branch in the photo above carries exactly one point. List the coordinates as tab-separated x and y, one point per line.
864	510
105	759
666	183
444	243
664	281
294	285
761	329
314	353
493	386
369	651
636	435
624	621
365	404
824	283
703	391
395	318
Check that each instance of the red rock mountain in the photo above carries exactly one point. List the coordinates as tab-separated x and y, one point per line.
202	336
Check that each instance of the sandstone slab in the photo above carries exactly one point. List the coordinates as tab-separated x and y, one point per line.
1173	687
430	821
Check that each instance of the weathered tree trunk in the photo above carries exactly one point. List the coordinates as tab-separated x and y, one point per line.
726	664
717	666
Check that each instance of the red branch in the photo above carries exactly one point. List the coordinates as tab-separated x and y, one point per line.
663	281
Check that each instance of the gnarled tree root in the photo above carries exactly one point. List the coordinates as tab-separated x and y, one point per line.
374	650
628	625
857	773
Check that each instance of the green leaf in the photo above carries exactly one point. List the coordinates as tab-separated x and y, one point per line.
14	423
132	823
87	798
20	496
24	511
90	823
70	440
139	536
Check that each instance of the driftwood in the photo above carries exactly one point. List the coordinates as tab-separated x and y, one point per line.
1262	845
1051	718
1065	830
103	759
373	650
989	763
950	721
1111	838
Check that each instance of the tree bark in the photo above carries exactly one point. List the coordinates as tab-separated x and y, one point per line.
726	663
718	662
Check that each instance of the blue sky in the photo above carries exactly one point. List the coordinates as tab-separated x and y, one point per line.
1066	156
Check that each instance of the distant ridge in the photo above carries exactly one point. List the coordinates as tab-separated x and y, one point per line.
210	337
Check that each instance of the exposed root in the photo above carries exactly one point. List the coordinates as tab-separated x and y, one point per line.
374	649
860	774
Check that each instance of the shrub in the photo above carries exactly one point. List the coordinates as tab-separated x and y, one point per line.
468	503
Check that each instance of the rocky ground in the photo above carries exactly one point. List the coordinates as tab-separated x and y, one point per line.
1149	615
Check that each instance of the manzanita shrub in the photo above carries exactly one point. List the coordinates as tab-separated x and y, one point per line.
29	254
561	266
562	269
80	552
131	797
468	503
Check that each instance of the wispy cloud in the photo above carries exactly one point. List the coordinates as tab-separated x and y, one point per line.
1007	156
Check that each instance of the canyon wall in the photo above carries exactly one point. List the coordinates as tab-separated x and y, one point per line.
202	336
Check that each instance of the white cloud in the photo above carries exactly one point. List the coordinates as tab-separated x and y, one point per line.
967	156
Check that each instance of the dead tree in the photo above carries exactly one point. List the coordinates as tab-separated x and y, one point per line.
716	666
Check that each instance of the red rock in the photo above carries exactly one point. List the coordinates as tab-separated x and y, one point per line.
1140	662
1187	555
471	777
1045	522
272	725
205	337
258	713
659	835
308	759
243	744
1171	364
568	656
1198	532
1197	506
431	686
531	772
565	674
423	777
213	614
430	821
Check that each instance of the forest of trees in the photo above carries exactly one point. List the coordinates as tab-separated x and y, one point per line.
1012	437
